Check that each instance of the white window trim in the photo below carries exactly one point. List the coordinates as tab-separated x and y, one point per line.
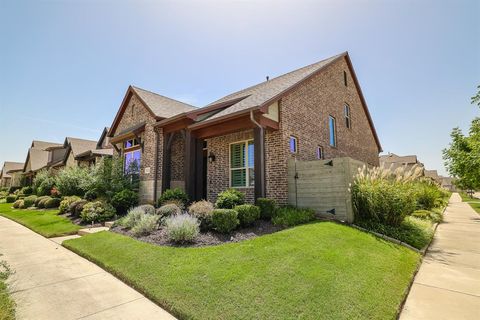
247	179
347	115
296	144
334	131
318	153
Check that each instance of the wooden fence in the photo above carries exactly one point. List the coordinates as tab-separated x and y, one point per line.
323	185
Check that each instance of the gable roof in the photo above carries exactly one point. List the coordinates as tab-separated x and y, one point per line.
10	166
393	158
38	155
78	146
265	93
160	107
261	93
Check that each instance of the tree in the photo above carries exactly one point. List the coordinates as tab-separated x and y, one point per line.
462	158
476	98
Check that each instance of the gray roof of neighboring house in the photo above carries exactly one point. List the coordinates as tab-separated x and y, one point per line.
43	145
162	106
79	146
96	152
393	158
37	154
10	166
261	93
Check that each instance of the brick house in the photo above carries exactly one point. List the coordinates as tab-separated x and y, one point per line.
37	158
245	140
10	174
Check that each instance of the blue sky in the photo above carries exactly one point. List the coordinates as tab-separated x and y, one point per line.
65	65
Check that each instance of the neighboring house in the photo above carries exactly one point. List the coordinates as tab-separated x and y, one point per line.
10	175
433	174
37	158
447	183
393	161
246	139
102	148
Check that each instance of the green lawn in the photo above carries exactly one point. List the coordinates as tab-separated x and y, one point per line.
473	202
320	270
45	222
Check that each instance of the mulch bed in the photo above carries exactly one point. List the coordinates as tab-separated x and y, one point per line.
204	239
76	220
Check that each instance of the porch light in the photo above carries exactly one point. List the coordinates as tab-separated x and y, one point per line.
211	157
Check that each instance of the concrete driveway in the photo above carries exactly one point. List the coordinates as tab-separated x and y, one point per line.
51	282
447	285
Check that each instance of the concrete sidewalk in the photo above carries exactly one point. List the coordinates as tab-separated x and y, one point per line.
447	285
51	282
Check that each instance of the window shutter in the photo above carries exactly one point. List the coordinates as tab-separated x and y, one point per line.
237	155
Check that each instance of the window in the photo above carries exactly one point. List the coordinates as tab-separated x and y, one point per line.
132	161
346	110
333	131
242	164
345	78
293	144
320	154
131	143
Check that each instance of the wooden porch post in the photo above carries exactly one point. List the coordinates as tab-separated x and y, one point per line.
190	155
259	162
167	156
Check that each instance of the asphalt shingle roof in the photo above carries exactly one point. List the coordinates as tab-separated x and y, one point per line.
8	165
81	145
162	106
258	94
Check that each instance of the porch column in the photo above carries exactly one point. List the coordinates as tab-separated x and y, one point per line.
166	161
199	170
190	155
259	162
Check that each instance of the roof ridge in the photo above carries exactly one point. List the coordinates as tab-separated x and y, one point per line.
284	75
160	95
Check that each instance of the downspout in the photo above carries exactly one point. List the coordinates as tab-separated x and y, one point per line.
252	118
155	177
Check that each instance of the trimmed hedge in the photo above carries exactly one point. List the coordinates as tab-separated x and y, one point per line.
225	220
173	194
230	198
267	207
247	214
10	198
291	216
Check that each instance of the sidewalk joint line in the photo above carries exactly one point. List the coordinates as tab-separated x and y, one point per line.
112	307
455	291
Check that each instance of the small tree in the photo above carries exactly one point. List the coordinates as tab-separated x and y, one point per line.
43	182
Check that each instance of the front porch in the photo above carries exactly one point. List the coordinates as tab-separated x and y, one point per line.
201	154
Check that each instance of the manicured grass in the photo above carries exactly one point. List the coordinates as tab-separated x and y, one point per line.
45	222
473	202
320	270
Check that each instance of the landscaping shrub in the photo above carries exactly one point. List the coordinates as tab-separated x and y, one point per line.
37	202
27	190
66	202
17	204
413	231
147	208
3	194
76	207
133	216
267	208
13	189
97	211
11	198
90	195
385	196
42	202
431	215
22	205
178	203
182	228
173	194
427	195
291	216
168	210
43	182
230	198
52	203
202	210
146	225
73	181
225	220
124	200
29	201
247	214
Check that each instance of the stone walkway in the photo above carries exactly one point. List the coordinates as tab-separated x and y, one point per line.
447	285
51	282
